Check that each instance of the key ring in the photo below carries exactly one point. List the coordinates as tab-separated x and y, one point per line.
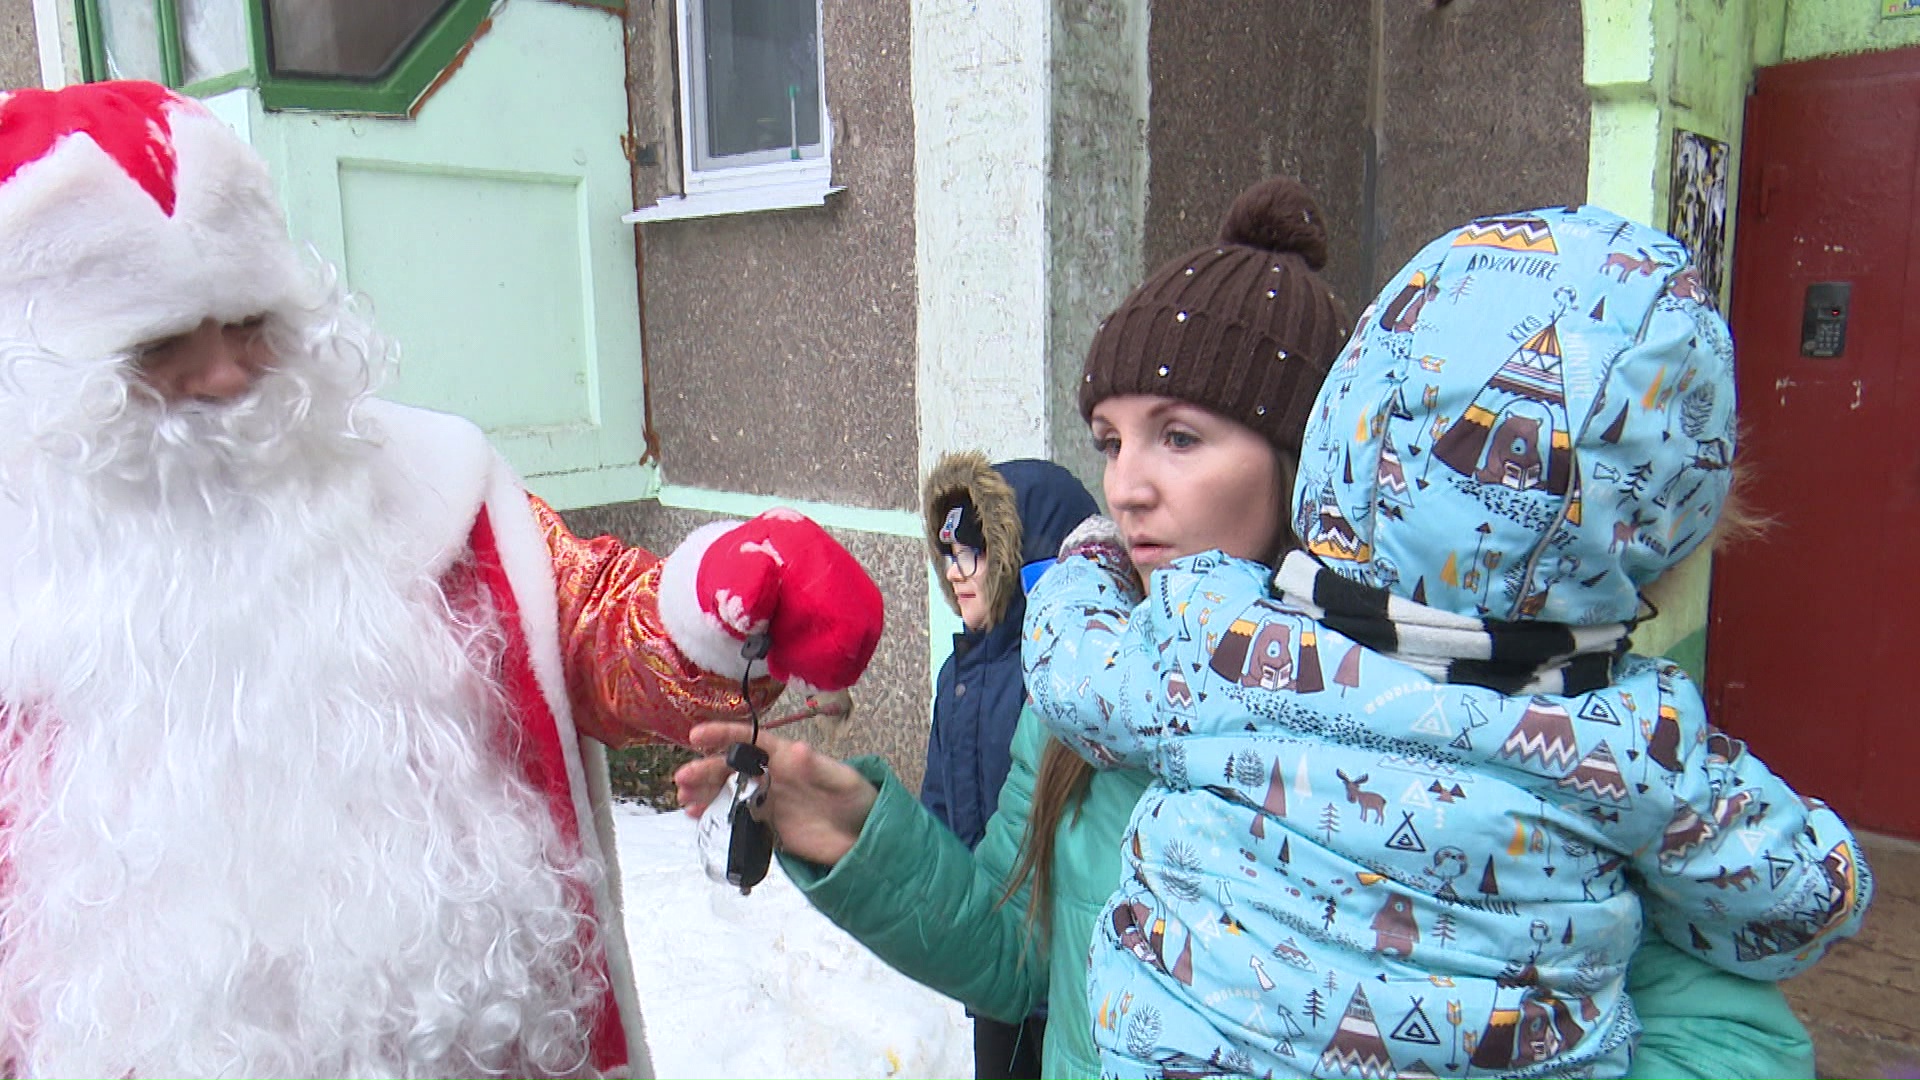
750	840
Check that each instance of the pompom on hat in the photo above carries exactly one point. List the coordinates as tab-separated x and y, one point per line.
128	214
1243	326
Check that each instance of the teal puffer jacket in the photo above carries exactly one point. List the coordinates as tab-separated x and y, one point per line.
912	892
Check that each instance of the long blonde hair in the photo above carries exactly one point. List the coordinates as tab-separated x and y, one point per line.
1062	783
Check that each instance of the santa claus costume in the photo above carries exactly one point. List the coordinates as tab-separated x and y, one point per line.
302	695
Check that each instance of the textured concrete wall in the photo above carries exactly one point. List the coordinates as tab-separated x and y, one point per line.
780	346
1405	117
1483	110
891	700
981	112
19	50
1097	199
1243	89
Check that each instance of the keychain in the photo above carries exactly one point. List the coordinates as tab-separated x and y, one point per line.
749	845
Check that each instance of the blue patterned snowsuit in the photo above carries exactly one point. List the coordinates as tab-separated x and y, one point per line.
1347	866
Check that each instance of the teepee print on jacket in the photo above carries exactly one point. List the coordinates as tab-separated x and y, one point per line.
1558	357
1379	842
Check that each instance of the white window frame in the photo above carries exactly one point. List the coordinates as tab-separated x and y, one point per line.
766	180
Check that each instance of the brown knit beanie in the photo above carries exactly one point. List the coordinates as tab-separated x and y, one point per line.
1242	326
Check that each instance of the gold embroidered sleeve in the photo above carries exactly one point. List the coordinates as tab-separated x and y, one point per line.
626	680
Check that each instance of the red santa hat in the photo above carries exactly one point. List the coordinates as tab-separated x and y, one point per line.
129	213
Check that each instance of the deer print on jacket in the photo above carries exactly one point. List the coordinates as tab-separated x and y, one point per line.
1447	864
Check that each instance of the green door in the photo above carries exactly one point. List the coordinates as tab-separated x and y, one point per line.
481	216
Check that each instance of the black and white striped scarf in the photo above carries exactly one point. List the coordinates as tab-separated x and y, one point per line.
1510	657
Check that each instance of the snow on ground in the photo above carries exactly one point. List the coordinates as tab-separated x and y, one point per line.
762	985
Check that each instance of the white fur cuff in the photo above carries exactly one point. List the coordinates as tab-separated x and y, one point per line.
700	637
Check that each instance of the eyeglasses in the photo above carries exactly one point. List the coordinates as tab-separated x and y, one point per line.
964	558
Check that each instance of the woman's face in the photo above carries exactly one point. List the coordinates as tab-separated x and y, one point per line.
1181	479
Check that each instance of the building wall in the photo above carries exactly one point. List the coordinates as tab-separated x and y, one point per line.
780	345
1482	110
780	350
981	112
1654	67
1243	89
19	48
1406	119
1831	27
1097	198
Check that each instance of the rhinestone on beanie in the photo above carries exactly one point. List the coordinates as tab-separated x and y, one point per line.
1181	317
1164	372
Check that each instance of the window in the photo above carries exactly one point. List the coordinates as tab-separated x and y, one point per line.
756	98
363	56
213	39
753	123
197	45
350	39
122	40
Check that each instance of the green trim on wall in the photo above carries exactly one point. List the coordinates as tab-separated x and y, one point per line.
92	40
394	94
619	6
833	515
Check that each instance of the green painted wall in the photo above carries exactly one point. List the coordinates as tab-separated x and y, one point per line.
1831	27
486	232
1654	67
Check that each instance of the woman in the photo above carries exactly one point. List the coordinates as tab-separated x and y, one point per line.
1198	389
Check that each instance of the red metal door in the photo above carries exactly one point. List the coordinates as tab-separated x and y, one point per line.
1815	628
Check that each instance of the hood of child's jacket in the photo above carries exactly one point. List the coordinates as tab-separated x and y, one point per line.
1026	506
1534	419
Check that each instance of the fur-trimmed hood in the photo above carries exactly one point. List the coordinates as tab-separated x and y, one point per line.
1026	509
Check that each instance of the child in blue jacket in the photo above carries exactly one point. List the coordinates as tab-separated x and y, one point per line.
984	524
1413	795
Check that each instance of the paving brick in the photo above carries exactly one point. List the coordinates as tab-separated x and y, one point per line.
1860	1002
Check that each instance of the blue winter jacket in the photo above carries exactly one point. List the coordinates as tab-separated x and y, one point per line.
1411	800
1028	507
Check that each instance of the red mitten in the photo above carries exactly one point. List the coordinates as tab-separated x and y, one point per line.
779	575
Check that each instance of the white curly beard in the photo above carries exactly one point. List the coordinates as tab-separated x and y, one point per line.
260	815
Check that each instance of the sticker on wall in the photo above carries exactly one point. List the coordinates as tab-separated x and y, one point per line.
1697	204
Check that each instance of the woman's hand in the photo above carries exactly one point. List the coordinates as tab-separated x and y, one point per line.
816	804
